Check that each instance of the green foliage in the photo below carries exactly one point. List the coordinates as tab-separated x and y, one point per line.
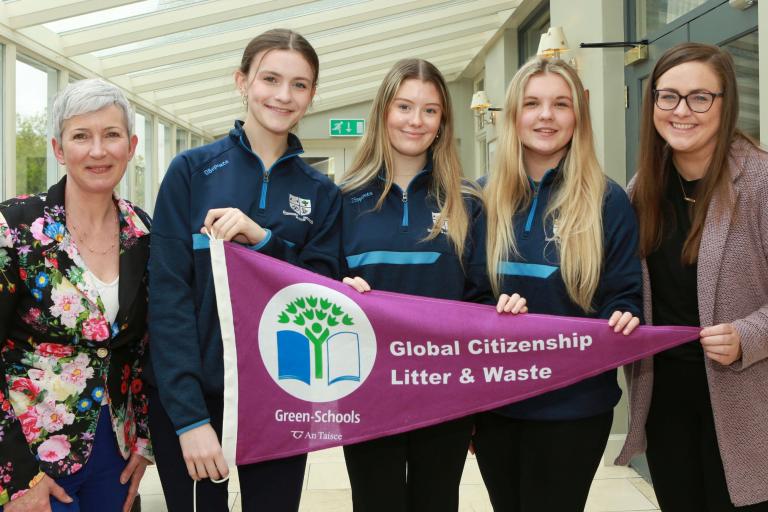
31	146
311	312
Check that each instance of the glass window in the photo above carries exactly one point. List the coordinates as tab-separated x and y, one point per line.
323	164
745	56
196	141
35	88
654	14
164	149
530	33
141	166
181	140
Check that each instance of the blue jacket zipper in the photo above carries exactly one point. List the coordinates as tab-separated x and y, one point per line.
266	172
404	196
535	202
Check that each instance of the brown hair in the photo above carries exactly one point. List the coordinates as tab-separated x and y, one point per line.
280	39
375	151
654	167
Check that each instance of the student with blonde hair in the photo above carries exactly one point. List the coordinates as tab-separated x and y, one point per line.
410	225
563	236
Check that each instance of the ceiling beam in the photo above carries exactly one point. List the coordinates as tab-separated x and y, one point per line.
235	40
26	13
403	41
389	29
170	21
182	105
197	105
184	74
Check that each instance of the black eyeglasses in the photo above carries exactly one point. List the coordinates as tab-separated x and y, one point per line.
698	102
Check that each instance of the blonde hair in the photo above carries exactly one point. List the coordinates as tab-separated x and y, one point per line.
375	152
575	208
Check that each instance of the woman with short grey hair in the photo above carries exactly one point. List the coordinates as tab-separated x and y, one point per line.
73	309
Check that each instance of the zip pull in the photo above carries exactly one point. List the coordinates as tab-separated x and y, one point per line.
404	223
264	187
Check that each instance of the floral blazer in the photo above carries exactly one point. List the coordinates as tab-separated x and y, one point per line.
58	354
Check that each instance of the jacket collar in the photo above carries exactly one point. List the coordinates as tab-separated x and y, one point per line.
238	135
420	180
549	176
64	255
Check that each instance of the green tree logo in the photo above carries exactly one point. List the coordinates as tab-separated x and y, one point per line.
316	316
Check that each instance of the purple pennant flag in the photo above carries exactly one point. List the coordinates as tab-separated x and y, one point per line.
310	363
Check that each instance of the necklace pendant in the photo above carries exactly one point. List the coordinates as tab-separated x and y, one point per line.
689	200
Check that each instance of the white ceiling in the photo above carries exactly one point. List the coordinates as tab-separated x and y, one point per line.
180	54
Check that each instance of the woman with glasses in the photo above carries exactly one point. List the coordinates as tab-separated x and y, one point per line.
701	196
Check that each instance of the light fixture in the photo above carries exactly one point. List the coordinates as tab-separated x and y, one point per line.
553	43
481	105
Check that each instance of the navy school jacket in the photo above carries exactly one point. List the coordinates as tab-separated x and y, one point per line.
387	247
536	276
300	208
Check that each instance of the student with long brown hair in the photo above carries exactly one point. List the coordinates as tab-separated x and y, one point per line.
410	225
237	189
701	196
563	236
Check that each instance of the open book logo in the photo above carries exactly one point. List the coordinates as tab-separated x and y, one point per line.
316	343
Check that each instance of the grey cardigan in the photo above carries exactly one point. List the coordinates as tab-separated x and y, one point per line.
732	279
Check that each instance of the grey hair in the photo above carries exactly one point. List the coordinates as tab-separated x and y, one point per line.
86	96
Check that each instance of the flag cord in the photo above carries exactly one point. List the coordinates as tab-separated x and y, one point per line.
194	490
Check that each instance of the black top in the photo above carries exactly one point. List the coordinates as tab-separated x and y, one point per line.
673	284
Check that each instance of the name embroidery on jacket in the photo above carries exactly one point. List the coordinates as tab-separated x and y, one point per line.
359	199
215	167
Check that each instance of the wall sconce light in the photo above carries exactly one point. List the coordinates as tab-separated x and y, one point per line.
481	105
553	43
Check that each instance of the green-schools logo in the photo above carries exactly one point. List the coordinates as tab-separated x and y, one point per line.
316	343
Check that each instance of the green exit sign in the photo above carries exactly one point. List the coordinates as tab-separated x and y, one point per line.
346	127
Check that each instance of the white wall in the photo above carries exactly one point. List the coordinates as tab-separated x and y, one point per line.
601	70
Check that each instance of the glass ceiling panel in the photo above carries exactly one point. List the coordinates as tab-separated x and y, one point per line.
123	12
411	12
227	26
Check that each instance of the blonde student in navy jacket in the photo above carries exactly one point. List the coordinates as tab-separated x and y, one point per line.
410	225
564	236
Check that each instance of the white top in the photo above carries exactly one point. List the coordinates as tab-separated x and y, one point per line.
108	294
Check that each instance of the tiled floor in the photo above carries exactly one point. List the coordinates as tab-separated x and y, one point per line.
326	488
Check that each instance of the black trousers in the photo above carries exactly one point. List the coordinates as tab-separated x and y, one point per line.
417	471
539	466
271	486
682	452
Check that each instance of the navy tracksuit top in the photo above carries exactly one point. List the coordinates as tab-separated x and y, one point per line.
387	247
536	276
300	209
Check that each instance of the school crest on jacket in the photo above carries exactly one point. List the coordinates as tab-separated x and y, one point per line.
301	207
